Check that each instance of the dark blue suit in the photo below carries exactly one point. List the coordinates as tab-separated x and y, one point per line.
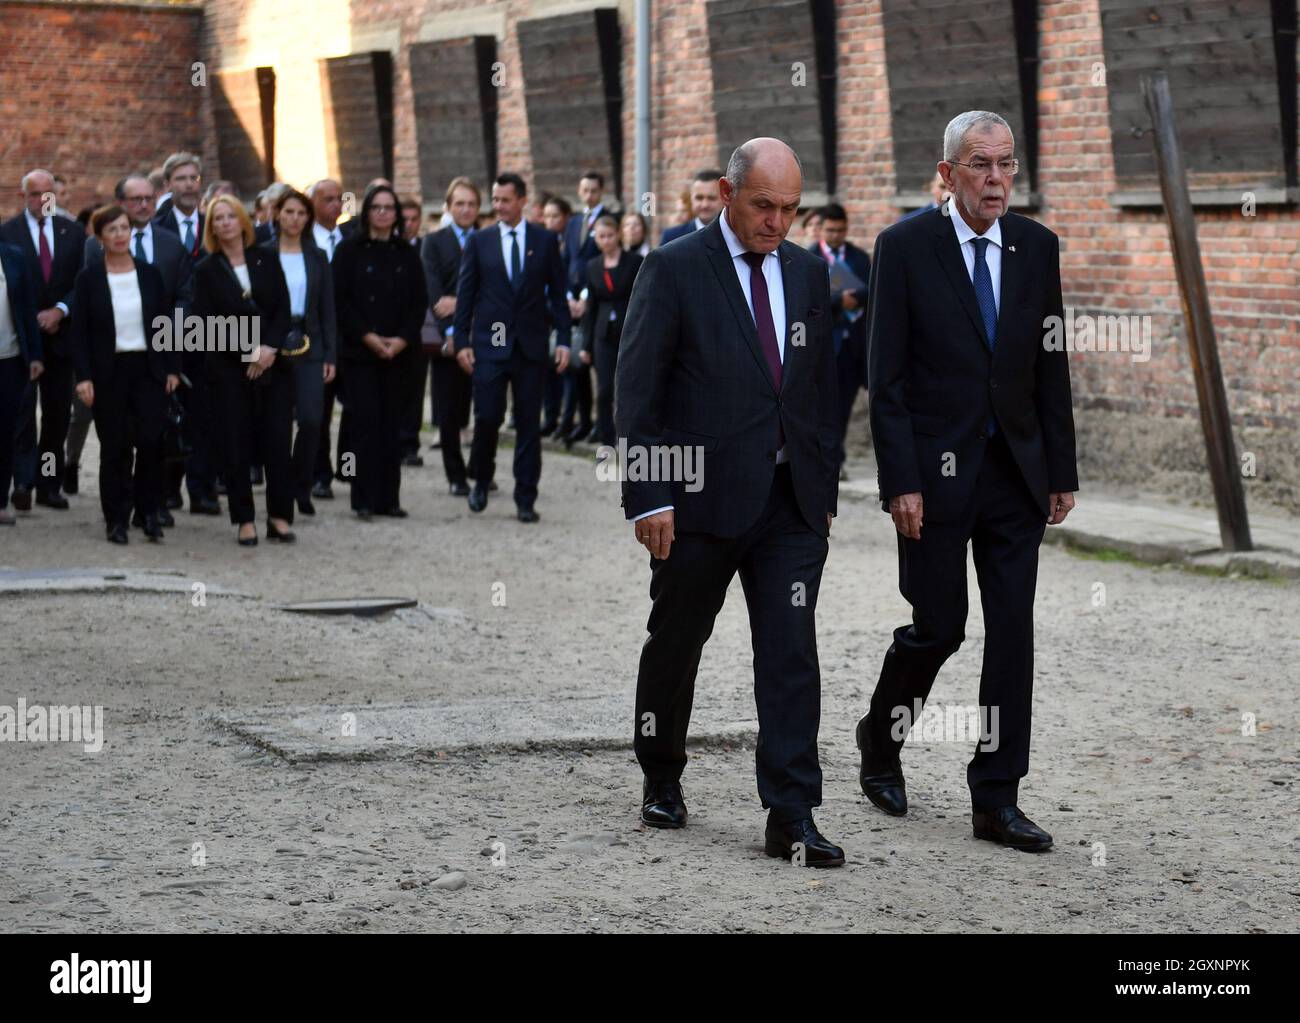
21	289
509	327
580	252
850	338
677	231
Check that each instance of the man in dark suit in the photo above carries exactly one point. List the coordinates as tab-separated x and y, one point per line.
579	245
509	278
849	308
579	248
726	377
705	204
451	389
165	252
20	357
974	438
180	214
52	248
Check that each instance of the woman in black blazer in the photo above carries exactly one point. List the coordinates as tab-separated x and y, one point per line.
123	377
381	298
313	331
610	276
245	285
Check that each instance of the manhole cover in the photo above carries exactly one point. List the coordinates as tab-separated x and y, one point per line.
349	605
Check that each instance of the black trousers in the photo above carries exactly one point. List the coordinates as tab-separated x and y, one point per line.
13	383
527	383
452	390
606	365
336	389
128	410
200	468
577	396
376	403
1004	527
850	371
308	412
39	461
413	400
235	415
780	562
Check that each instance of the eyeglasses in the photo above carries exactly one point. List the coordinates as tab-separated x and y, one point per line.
383	208
1007	167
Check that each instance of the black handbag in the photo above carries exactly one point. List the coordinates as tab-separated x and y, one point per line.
177	444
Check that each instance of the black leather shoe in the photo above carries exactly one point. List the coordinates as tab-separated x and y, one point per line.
152	529
594	436
414	461
460	489
53	499
276	536
364	514
166	519
22	499
662	805
305	506
815	850
547	429
205	506
173	501
478	497
70	483
1008	826
117	533
527	515
322	490
884	786
395	513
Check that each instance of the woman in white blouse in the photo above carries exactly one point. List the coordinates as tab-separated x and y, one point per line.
123	376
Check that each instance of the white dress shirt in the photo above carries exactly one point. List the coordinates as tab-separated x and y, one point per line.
506	243
775	297
326	240
46	228
128	311
992	253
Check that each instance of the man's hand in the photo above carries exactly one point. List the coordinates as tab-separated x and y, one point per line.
49	319
655	533
849	300
906	512
1058	506
86	393
36	368
173	382
465	358
444	307
562	363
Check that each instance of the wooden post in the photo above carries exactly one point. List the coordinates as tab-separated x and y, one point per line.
1225	470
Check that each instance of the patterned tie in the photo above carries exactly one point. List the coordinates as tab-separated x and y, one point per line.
514	260
189	236
139	246
46	257
988	306
766	328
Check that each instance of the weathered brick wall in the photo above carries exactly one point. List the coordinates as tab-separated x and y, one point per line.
92	90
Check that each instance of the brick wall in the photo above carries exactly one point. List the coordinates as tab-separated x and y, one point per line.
92	90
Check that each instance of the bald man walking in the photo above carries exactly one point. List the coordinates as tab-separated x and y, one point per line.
726	377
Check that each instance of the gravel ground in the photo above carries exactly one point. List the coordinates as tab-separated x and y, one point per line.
1166	817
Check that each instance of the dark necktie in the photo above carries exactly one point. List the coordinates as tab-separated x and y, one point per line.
189	237
514	260
988	307
766	328
46	256
139	246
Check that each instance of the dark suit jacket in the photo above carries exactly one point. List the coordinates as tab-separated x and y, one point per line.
484	296
600	300
22	301
69	243
440	256
217	293
691	371
94	330
379	288
933	382
677	231
577	252
322	321
166	220
169	259
856	333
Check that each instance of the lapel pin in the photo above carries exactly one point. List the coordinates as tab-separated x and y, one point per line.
1011	248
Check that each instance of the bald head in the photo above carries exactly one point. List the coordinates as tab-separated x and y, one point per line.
761	192
38	193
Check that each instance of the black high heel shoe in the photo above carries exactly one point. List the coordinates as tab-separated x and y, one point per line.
247	541
275	536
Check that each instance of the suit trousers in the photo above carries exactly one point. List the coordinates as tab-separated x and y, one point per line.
851	373
200	467
1004	526
129	410
39	462
606	365
452	390
780	562
13	385
376	403
527	383
413	401
235	414
308	411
